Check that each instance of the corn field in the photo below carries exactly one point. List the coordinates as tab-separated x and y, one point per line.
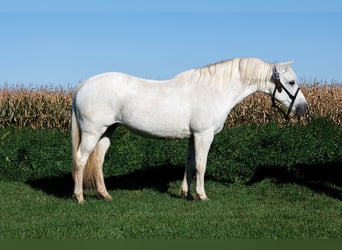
51	109
325	101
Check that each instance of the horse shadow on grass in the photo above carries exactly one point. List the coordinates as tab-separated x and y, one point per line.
155	178
324	179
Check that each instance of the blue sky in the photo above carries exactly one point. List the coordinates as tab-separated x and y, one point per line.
60	43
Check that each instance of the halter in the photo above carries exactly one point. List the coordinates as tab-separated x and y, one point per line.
279	86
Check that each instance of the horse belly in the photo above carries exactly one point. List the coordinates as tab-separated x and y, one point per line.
156	122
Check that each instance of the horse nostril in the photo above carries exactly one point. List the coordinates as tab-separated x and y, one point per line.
302	108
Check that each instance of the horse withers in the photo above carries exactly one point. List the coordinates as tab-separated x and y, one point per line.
194	104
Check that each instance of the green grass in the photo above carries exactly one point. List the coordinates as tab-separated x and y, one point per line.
265	182
264	210
236	154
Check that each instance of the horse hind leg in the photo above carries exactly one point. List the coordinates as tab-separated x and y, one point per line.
93	174
87	146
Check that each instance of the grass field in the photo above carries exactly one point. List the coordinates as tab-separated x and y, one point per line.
264	210
295	193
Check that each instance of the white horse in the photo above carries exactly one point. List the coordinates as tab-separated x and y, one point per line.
194	104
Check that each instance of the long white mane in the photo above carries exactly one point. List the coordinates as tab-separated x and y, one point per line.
246	70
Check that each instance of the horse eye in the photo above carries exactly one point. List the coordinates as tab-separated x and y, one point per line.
292	82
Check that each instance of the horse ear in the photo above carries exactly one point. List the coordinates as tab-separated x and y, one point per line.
284	66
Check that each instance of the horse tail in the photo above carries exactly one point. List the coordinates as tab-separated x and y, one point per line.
75	138
91	170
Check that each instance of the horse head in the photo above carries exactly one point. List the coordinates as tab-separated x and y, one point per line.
286	90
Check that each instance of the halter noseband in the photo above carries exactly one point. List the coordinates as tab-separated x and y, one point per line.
279	86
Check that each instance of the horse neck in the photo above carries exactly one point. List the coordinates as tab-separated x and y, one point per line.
235	94
245	75
260	81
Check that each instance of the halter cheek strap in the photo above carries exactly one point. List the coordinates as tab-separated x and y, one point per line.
279	86
276	79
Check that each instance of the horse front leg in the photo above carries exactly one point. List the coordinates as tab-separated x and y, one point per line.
202	143
189	170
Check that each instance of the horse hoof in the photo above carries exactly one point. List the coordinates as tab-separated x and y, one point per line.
106	196
186	195
189	197
201	197
79	198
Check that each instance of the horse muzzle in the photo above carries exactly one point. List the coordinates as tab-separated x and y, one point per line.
302	108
